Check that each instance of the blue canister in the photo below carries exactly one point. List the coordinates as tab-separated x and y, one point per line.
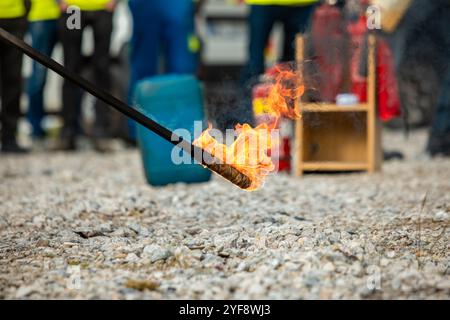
176	102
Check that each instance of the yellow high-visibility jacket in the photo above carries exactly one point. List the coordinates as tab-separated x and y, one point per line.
12	9
89	5
281	2
44	10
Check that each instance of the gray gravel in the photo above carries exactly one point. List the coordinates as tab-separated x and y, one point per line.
87	226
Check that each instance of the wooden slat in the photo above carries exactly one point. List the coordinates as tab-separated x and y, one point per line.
298	147
334	166
325	107
392	12
373	127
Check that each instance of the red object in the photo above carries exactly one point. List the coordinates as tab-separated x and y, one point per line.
389	105
284	163
261	90
357	32
388	98
283	154
327	40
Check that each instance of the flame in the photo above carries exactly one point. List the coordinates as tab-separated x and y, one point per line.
249	152
285	93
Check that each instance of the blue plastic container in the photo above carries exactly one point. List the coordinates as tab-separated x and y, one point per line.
176	102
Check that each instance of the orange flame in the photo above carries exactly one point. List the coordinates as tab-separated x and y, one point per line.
285	93
249	152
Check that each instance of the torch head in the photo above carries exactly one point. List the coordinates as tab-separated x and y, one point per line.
231	174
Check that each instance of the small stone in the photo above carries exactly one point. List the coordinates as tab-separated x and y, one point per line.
443	285
120	255
142	285
224	254
329	267
39	220
441	216
156	253
43	243
391	254
212	261
384	262
87	233
69	244
197	254
105	227
365	291
132	257
122	233
25	291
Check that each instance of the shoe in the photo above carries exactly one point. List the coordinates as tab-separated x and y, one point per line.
444	152
103	145
439	146
393	155
130	143
39	143
65	144
13	148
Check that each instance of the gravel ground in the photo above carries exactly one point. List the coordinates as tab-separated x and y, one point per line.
87	226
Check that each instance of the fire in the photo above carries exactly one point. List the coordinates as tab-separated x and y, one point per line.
249	153
285	93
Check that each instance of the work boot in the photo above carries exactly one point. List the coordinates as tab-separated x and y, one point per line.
439	146
393	155
65	144
103	145
13	148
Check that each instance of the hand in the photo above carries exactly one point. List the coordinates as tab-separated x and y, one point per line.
111	5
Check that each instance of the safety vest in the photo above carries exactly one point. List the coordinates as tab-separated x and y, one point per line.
281	2
44	10
89	5
11	9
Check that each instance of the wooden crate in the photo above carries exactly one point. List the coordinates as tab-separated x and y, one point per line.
329	137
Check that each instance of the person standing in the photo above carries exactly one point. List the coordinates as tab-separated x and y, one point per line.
439	139
165	26
425	31
98	14
294	16
12	19
43	29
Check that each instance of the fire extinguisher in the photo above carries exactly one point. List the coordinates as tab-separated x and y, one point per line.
327	38
388	98
263	115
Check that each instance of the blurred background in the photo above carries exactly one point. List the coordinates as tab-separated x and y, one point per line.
417	60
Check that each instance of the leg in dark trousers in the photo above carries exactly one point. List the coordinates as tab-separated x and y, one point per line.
295	20
261	21
11	83
102	25
71	40
44	36
439	141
